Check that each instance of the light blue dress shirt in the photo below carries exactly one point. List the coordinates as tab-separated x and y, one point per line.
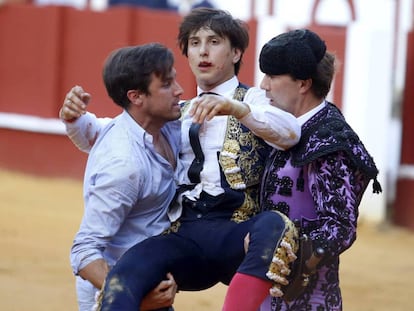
128	187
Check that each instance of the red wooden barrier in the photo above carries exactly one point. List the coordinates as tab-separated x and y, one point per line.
403	211
40	154
29	60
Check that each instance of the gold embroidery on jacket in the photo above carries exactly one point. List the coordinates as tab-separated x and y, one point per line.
249	208
240	162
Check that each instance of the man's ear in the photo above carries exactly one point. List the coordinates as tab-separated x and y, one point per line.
237	55
305	85
135	96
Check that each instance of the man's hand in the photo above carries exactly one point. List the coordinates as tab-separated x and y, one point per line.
74	104
208	106
162	296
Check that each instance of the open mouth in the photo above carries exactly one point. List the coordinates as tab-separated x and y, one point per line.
204	64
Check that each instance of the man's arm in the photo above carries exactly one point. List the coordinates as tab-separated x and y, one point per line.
278	128
95	272
82	128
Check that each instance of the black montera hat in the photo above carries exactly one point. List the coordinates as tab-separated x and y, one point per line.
296	52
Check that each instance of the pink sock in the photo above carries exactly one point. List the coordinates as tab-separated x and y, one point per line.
246	293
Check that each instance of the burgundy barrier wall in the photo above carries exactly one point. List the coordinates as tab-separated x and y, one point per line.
29	60
40	154
44	51
403	209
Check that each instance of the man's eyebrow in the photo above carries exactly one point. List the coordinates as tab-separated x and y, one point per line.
208	37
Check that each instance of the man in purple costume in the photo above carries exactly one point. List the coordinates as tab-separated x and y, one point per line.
319	182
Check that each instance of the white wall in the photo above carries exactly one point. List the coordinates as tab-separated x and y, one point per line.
367	101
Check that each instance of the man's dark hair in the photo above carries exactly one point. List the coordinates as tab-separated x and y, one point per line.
132	68
219	21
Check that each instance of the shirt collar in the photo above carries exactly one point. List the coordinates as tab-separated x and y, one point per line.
140	135
226	88
305	117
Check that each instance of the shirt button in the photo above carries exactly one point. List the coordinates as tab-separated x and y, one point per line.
199	216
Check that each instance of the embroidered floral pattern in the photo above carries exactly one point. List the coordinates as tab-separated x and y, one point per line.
241	157
228	157
248	209
173	228
283	256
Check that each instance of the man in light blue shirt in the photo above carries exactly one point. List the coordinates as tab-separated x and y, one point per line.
129	178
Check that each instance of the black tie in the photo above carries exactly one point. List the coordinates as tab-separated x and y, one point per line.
197	166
